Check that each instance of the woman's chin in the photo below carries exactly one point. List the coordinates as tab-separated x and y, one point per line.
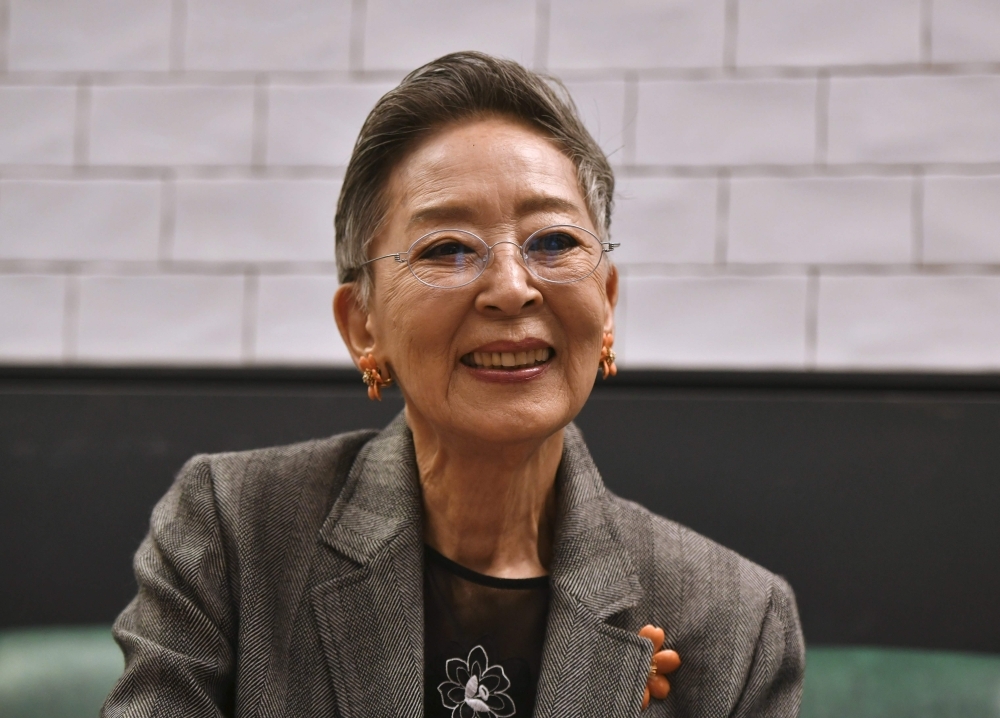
504	417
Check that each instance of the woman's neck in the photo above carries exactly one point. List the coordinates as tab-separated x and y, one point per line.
487	507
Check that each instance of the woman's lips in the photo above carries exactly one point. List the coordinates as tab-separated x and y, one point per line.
507	360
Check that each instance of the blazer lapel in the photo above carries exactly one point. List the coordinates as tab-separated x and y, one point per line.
370	613
589	666
368	603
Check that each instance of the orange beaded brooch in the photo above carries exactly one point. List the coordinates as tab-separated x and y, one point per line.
664	661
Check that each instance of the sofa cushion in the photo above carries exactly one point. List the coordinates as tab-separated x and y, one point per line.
886	683
62	672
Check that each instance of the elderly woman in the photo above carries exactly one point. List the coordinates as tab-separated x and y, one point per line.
467	560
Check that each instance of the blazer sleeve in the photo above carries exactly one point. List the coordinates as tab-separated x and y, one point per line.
177	634
773	688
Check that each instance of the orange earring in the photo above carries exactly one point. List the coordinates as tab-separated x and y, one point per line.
607	363
372	376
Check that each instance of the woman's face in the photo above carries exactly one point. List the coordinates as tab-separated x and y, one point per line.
500	180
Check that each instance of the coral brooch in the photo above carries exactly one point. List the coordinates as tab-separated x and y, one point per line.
663	662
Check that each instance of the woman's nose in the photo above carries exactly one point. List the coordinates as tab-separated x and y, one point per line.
509	286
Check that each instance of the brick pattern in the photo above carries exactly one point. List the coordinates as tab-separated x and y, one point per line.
828	32
152	318
96	35
801	183
266	36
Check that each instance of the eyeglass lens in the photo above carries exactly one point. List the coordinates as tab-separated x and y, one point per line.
452	258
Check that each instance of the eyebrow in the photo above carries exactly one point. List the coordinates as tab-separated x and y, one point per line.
465	213
441	213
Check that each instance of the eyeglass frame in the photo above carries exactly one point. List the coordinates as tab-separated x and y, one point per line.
399	256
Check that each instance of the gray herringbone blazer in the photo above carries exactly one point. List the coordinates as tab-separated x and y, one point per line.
288	582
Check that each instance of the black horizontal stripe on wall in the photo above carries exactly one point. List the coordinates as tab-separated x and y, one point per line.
876	495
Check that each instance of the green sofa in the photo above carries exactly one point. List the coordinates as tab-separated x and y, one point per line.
853	682
66	672
57	672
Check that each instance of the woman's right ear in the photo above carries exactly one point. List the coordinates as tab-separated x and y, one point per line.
352	321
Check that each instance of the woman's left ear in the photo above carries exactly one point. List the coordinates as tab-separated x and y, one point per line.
611	292
352	321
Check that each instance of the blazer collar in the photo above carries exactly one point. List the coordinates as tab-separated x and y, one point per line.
590	667
370	613
589	559
380	499
367	596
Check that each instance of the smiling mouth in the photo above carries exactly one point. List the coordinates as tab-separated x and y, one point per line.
507	360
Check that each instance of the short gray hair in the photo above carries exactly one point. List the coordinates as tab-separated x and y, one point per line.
452	88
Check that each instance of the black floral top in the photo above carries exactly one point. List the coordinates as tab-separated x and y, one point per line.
483	640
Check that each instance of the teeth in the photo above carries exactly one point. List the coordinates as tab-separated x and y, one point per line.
510	360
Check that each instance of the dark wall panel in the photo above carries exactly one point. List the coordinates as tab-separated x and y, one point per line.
877	497
883	510
84	466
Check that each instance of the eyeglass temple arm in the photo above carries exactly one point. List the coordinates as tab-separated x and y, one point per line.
610	246
398	256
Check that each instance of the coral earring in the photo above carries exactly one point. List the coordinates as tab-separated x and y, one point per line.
372	376
607	360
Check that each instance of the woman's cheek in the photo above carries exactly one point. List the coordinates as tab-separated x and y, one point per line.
402	311
585	327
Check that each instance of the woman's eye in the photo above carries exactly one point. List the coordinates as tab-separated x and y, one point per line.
553	242
445	250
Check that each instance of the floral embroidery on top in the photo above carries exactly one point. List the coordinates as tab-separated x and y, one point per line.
475	689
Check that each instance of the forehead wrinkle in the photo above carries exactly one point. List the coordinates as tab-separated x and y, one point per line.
541	203
436	192
436	214
442	187
464	213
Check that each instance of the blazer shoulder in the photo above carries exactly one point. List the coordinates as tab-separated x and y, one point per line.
244	465
734	622
681	552
248	486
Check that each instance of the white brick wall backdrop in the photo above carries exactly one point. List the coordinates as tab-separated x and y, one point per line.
802	183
